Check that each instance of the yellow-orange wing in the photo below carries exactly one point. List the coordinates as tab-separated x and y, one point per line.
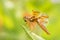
40	22
30	24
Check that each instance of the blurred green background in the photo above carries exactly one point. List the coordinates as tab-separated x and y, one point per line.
11	20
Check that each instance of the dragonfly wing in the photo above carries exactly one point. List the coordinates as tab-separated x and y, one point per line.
31	25
42	26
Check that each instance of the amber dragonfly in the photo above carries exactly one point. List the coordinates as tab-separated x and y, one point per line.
35	18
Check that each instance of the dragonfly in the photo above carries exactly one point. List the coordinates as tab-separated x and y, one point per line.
35	18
